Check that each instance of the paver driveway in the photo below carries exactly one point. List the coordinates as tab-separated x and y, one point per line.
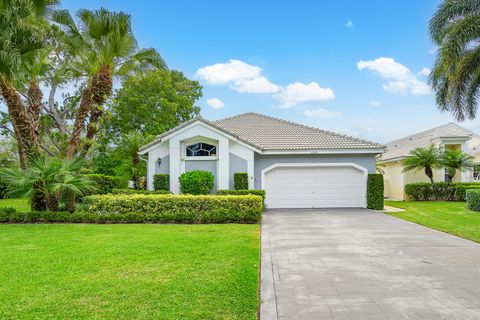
361	264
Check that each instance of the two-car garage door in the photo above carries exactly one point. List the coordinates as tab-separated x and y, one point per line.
322	186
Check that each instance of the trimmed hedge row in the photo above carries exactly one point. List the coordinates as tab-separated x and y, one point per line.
375	191
473	199
448	191
179	208
134	191
240	181
161	182
243	192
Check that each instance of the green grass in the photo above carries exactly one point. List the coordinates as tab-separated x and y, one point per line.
448	216
129	271
19	204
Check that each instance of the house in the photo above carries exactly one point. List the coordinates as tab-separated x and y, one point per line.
449	136
298	166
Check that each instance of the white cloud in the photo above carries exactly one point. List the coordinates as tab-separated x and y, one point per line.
255	85
349	24
300	92
215	103
402	80
321	113
233	70
375	103
425	72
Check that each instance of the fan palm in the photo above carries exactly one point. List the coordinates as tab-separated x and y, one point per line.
46	180
425	159
455	77
454	160
104	47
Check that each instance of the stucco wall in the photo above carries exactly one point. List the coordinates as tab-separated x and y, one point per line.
164	167
264	161
237	164
205	165
393	179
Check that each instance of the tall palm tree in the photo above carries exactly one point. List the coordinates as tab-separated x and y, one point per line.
105	47
455	28
425	159
454	160
46	180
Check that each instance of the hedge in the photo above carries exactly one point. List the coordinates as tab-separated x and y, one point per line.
3	189
375	191
446	191
141	191
104	184
260	193
179	208
161	182
196	182
240	181
473	199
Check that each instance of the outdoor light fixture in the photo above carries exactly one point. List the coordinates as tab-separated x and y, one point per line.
159	161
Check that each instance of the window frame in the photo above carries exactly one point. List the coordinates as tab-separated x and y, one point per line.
188	143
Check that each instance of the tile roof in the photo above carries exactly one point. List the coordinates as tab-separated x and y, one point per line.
269	134
400	148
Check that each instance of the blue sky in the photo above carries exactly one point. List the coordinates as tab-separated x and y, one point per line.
355	67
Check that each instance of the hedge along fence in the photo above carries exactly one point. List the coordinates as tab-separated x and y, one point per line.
240	181
178	208
473	199
447	191
161	182
375	191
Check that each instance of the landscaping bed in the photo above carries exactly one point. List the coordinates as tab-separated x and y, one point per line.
448	216
129	271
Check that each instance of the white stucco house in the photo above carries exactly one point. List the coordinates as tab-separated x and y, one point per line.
448	136
298	166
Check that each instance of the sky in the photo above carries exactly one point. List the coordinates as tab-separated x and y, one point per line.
354	67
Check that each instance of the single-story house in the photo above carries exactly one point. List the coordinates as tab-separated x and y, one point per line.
298	166
448	136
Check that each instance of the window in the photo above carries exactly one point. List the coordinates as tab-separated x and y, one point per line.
447	177
201	149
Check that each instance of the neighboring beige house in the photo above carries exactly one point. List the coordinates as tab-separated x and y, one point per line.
449	136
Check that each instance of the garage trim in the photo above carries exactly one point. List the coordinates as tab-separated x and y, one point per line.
327	164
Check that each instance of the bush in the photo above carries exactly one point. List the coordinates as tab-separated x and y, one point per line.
196	182
176	208
375	190
240	181
104	184
473	199
3	189
6	213
260	193
161	182
461	188
134	191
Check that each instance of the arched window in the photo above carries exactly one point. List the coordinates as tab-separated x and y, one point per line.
201	149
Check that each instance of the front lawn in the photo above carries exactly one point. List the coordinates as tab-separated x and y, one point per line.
19	204
448	216
147	271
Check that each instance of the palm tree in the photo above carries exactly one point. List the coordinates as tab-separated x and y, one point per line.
454	160
104	47
425	159
131	167
455	28
46	180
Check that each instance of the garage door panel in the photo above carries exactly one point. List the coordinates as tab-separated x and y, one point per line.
315	187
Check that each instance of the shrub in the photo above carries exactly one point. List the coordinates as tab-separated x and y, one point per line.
461	188
6	213
428	191
240	181
134	191
177	208
473	199
103	183
3	189
196	182
375	191
161	182
260	193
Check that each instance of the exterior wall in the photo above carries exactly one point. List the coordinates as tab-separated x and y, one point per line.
393	179
159	152
237	164
204	165
164	167
264	161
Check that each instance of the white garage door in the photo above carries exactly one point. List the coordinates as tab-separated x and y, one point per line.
327	186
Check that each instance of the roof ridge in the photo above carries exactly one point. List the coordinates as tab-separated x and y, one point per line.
314	128
431	129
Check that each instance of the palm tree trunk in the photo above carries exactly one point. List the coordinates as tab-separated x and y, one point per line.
35	97
85	105
101	89
429	173
70	202
38	201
